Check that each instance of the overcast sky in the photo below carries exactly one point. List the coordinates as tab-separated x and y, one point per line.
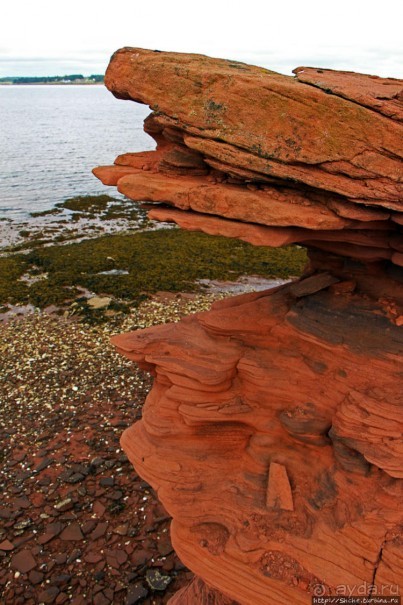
46	37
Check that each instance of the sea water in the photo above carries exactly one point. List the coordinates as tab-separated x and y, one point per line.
52	136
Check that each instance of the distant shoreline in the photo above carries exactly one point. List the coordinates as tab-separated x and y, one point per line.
52	84
41	80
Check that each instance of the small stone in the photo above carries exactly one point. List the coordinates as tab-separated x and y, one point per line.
100	599
5	513
36	550
98	302
140	557
96	462
116	495
23	561
98	508
115	508
23	475
97	588
43	464
112	561
51	531
72	532
121	530
22	502
75	478
60	559
6	545
48	595
61	579
121	557
76	554
108	592
44	481
93	557
16	489
98	531
79	600
136	593
119	586
107	481
116	558
110	463
156	580
35	577
88	526
169	563
64	505
22	525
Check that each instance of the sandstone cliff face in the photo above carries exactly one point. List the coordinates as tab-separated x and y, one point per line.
273	432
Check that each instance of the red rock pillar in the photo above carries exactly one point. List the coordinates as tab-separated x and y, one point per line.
273	436
273	431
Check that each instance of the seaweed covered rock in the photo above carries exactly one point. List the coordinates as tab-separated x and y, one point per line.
273	431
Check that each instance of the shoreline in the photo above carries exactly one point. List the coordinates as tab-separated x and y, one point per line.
98	257
70	220
53	84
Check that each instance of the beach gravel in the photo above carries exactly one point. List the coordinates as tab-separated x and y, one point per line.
77	524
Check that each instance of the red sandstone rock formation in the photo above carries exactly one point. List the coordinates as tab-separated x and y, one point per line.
273	432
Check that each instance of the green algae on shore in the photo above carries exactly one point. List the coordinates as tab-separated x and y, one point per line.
77	218
130	267
103	206
12	289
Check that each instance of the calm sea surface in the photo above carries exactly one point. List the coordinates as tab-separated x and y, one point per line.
52	136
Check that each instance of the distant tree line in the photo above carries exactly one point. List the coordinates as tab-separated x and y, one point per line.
50	79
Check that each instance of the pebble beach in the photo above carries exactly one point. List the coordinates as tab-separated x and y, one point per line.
77	525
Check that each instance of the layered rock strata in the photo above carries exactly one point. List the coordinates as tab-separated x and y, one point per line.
314	159
273	432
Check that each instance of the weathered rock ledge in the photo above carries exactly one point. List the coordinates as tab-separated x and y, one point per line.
273	432
314	159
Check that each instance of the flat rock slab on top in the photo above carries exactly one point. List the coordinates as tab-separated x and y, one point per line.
383	95
316	158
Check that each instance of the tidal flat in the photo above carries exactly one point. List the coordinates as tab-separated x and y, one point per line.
129	261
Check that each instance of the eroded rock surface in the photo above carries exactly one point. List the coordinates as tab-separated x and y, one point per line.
273	435
273	431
